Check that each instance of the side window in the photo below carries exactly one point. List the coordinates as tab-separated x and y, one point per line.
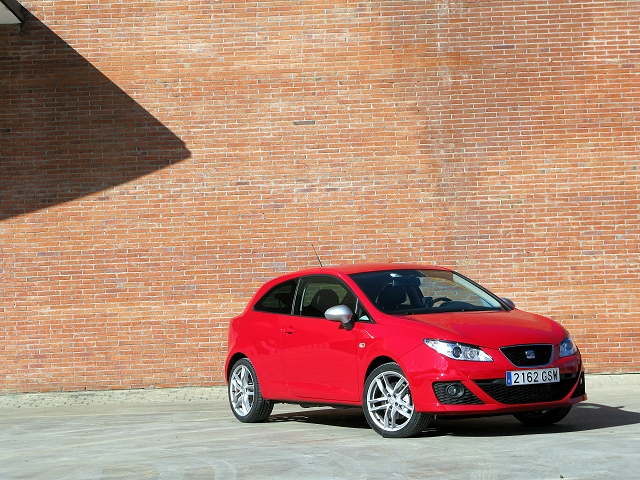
360	314
317	294
278	300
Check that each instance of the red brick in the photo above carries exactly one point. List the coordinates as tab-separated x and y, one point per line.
155	171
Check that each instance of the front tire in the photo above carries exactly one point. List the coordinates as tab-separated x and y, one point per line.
541	418
388	406
246	401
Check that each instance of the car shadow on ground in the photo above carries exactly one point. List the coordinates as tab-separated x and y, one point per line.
583	417
339	417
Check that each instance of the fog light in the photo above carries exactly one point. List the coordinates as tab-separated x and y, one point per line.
455	390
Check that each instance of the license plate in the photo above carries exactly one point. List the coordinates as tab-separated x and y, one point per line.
529	377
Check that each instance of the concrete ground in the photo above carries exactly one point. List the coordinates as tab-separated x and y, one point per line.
190	433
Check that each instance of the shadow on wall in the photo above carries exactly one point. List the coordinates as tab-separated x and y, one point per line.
66	130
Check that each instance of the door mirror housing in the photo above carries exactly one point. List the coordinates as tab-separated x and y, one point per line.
509	303
342	314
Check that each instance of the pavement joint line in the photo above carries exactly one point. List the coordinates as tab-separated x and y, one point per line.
200	394
109	397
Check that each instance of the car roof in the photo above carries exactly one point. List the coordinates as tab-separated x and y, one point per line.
352	268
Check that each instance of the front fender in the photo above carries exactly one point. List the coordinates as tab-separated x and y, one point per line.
375	342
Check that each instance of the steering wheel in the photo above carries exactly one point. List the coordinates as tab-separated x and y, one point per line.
440	299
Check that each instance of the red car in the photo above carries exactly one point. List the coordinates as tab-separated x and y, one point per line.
404	342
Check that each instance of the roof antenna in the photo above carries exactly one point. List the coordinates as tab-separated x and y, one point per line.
317	256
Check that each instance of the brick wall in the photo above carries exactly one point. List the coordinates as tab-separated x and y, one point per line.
161	159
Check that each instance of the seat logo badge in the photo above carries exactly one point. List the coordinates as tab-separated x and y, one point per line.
530	354
362	345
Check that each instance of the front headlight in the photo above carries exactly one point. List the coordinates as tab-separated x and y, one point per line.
458	351
567	347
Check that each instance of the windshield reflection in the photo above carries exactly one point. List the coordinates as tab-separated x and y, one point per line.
424	291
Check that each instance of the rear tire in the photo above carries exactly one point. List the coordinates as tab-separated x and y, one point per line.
246	401
388	406
541	418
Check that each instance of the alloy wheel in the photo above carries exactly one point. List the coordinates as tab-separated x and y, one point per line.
241	389
389	401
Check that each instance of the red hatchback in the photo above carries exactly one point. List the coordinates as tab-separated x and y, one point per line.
404	342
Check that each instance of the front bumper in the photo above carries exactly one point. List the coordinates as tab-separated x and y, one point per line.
451	387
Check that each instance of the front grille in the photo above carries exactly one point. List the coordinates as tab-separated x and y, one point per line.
523	394
519	355
440	389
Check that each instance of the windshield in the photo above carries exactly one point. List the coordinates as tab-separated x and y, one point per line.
424	291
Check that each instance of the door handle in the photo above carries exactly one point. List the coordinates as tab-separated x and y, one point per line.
288	330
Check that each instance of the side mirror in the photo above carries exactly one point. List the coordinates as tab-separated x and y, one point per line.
509	303
342	314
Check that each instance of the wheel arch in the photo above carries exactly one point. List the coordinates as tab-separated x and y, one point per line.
234	358
375	363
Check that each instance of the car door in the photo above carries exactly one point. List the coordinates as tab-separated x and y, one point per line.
261	336
319	355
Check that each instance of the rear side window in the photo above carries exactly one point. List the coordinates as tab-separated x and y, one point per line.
278	300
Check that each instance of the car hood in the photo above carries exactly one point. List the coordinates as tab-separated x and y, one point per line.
487	329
